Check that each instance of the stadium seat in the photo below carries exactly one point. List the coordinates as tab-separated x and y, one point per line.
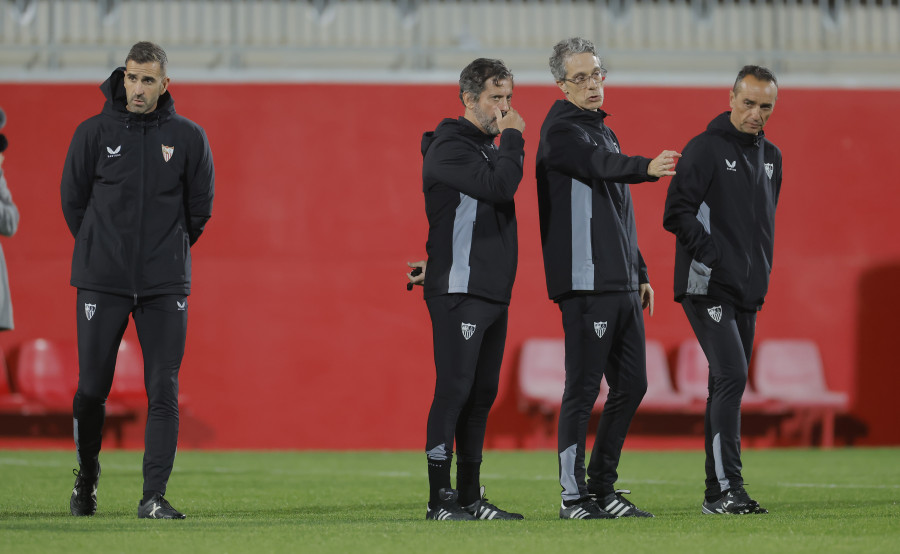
128	382
10	401
542	376
791	371
47	372
692	379
661	395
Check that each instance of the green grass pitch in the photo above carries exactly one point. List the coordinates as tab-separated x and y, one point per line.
843	500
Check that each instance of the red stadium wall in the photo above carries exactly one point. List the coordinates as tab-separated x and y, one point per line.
301	332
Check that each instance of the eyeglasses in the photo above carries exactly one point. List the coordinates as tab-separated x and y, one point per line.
581	81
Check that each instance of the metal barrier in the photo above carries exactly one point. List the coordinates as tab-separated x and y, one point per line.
793	36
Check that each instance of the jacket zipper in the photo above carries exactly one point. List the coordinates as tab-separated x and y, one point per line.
136	271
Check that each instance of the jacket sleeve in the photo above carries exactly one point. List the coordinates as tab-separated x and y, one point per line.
460	166
687	192
9	213
572	152
200	187
643	275
78	178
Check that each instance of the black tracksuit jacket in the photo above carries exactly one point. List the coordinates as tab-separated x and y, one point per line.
588	231
137	190
469	187
721	208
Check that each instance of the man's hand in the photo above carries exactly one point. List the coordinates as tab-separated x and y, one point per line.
512	120
414	277
664	164
646	292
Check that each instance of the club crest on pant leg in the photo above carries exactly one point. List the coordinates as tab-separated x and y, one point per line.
468	329
715	313
600	328
89	310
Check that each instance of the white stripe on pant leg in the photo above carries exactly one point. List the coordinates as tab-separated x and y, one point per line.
720	469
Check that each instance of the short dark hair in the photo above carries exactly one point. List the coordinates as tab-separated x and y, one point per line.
759	72
148	52
563	50
472	79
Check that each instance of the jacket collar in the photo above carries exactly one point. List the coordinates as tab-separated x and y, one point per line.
722	125
114	91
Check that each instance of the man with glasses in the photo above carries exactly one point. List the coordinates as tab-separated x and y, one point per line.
469	184
721	208
595	274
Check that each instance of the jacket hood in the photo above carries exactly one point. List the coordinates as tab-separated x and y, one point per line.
460	126
563	109
722	125
114	91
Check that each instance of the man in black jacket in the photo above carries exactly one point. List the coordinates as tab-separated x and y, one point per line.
721	208
469	184
596	275
137	190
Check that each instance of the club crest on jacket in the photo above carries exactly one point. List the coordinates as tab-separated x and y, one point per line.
168	152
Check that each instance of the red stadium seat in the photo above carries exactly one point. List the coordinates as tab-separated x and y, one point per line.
47	372
661	395
128	383
692	379
791	371
10	401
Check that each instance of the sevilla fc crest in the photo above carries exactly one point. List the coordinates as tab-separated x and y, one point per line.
168	152
89	310
770	168
715	313
600	328
468	329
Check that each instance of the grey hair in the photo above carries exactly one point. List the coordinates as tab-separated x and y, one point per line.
148	52
563	50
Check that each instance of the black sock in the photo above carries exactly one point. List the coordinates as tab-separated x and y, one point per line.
468	481
149	494
438	478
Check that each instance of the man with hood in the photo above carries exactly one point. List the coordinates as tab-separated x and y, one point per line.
137	191
721	208
469	184
596	275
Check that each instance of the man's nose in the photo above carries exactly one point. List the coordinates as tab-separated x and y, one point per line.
504	105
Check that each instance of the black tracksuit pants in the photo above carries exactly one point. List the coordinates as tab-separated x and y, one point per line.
604	336
469	338
161	324
726	336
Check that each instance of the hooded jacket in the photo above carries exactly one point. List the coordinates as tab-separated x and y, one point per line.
721	208
588	231
137	191
469	186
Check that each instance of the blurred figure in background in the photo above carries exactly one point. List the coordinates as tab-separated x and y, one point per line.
9	223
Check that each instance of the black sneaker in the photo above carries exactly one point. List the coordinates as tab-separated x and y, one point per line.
734	501
482	509
584	508
84	494
616	504
448	508
158	508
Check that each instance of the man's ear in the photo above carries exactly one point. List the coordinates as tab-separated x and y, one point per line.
469	100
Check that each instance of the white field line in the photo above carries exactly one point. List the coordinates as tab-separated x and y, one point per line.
10	461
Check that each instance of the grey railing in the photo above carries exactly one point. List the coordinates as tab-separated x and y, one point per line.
239	36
